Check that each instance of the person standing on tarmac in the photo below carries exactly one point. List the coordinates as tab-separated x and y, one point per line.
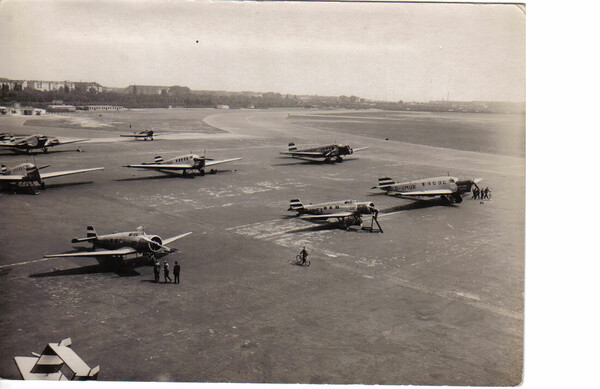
475	193
156	271
166	270
176	271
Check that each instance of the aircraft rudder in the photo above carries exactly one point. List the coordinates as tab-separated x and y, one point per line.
384	183
91	232
292	146
295	205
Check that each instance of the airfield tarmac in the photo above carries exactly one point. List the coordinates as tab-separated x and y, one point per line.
437	299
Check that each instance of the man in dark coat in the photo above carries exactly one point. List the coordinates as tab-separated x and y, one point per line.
176	271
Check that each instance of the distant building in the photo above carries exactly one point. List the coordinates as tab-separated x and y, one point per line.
46	86
13	85
61	108
100	107
222	106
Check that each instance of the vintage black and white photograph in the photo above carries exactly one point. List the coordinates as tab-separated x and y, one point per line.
262	192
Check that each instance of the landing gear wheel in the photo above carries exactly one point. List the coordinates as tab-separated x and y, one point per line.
339	159
202	172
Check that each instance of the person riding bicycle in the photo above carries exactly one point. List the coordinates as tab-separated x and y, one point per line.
304	254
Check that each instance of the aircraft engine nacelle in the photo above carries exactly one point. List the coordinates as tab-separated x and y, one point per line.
36	141
154	247
464	186
345	150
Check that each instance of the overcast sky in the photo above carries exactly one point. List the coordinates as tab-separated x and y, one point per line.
378	51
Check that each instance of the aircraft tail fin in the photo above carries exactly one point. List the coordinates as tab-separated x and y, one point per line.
91	232
292	146
384	183
91	235
295	205
158	159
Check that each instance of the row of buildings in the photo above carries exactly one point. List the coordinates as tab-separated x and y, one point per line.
45	86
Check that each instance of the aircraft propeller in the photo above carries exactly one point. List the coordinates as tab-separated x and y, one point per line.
168	249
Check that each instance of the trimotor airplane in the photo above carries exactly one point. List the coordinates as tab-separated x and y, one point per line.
144	135
120	244
347	212
183	163
450	189
26	175
32	142
328	153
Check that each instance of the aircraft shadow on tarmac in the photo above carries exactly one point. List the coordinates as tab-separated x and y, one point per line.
25	190
437	202
322	226
107	265
38	152
124	271
68	184
171	175
300	162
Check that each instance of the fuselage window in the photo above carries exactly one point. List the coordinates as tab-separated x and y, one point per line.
439	182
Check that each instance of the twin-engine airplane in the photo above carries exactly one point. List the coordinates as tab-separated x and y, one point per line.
450	189
347	212
26	175
183	163
33	142
121	244
327	154
144	135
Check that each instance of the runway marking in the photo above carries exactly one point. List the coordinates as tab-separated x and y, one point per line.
25	263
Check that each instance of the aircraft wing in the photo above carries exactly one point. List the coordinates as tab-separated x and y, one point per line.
138	135
359	149
211	163
64	142
8	144
316	159
159	166
434	192
43	176
173	239
327	216
303	153
121	251
10	178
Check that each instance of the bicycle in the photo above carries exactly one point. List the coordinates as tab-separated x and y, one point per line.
300	262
